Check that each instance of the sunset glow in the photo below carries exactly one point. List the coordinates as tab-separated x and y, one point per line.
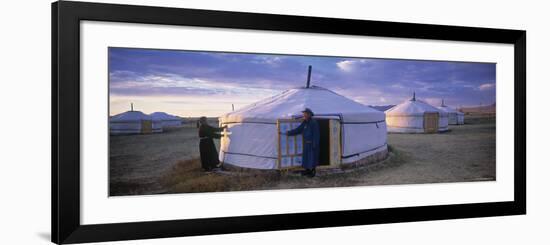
191	84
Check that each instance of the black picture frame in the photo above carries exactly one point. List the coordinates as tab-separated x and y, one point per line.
66	17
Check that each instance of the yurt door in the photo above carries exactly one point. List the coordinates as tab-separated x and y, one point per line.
335	145
146	126
431	122
289	147
225	137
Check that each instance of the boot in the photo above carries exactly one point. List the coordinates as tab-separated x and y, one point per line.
312	173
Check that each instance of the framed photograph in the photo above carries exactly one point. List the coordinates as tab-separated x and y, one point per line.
174	122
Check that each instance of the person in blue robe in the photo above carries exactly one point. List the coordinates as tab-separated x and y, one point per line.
309	128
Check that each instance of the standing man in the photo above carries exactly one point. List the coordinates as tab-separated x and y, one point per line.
310	131
208	152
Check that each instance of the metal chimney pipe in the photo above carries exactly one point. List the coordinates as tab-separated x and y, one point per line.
308	76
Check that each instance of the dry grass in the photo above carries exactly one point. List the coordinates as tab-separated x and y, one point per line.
187	177
168	163
137	161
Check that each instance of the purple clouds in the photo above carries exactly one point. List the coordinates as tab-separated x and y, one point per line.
138	74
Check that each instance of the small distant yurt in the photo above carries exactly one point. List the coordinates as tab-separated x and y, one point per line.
455	117
350	133
460	117
133	122
166	119
416	116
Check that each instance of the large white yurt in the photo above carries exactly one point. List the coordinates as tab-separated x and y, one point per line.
166	119
350	133
455	117
133	122
416	116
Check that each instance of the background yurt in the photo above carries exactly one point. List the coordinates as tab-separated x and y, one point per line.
351	133
166	119
133	122
460	117
455	117
416	116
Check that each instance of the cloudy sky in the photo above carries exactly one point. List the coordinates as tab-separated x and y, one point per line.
189	83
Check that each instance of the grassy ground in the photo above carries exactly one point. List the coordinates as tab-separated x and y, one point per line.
466	153
136	162
186	176
168	163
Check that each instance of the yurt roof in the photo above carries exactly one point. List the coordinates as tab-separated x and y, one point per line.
413	107
447	109
291	102
163	116
130	116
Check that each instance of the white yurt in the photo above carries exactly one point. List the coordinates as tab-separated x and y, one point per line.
416	116
453	114
460	117
350	133
166	119
133	122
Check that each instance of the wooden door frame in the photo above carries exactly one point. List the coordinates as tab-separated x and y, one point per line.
436	121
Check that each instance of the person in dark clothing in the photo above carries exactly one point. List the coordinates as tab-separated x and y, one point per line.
209	154
309	128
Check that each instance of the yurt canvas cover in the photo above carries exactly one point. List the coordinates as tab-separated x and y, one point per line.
349	130
460	117
133	122
416	116
166	119
453	114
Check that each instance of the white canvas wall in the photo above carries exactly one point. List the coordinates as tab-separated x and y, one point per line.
453	118
254	145
405	124
250	145
363	139
443	121
171	123
130	122
133	127
453	114
157	126
166	119
253	139
408	117
460	118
